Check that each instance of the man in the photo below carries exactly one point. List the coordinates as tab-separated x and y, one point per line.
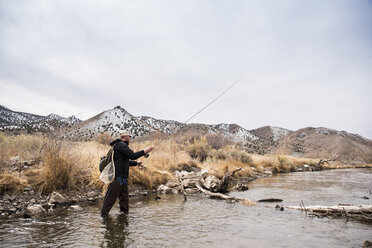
123	158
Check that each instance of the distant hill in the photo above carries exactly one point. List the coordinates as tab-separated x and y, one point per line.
13	121
325	142
309	142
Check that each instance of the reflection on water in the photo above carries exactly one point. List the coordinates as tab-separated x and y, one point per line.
204	222
115	231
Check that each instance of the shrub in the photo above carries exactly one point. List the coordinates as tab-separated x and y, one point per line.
59	170
241	156
199	149
10	183
104	138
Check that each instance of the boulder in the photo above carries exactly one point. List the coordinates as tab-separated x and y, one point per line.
15	159
34	211
187	175
191	190
75	208
163	189
190	183
203	173
56	198
367	243
241	187
211	183
172	184
92	194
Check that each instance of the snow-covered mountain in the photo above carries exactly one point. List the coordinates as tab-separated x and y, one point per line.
20	121
111	122
116	119
309	142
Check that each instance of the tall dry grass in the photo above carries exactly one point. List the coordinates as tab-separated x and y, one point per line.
66	165
25	146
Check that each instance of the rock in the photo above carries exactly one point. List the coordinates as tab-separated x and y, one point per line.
75	208
241	187
92	194
203	173
15	159
211	183
172	184
34	211
267	172
191	191
57	198
187	175
163	189
190	183
12	210
28	188
367	243
281	208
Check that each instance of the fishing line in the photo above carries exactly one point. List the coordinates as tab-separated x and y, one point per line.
206	106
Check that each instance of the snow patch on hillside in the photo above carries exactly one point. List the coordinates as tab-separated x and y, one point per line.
279	132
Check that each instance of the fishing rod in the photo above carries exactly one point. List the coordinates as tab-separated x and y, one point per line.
193	116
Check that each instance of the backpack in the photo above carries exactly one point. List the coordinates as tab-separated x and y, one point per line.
105	160
107	167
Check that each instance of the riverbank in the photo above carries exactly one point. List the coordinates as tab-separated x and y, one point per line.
209	222
33	167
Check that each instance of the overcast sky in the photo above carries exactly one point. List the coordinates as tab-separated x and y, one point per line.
306	63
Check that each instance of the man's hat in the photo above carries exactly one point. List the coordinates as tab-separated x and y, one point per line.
124	133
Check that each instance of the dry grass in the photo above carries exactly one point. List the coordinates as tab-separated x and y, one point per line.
71	165
26	146
11	183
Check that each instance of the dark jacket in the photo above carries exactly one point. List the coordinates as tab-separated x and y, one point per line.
123	157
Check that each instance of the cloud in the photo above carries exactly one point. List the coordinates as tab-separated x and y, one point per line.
307	63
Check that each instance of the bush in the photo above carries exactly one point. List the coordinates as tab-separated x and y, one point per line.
199	149
241	156
104	138
10	183
58	172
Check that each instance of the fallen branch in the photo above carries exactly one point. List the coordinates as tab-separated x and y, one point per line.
360	212
270	200
225	197
224	184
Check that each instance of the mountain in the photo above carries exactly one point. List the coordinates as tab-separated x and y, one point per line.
20	121
309	142
110	121
327	143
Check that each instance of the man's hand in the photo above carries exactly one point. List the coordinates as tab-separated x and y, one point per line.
140	164
148	149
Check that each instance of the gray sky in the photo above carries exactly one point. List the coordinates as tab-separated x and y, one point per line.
307	63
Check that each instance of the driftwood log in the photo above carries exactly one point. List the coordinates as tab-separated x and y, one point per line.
191	180
359	212
223	186
224	197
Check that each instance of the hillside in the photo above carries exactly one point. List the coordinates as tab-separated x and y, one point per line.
307	142
13	121
327	143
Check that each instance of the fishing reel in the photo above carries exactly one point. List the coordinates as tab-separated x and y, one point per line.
146	155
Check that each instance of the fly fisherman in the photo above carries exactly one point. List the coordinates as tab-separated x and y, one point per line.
123	158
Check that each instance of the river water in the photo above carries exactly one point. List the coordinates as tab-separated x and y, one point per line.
204	222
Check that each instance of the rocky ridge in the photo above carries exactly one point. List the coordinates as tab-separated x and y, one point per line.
20	121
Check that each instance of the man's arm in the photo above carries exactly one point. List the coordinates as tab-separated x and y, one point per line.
127	152
133	163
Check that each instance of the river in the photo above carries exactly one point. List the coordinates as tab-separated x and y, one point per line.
205	222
